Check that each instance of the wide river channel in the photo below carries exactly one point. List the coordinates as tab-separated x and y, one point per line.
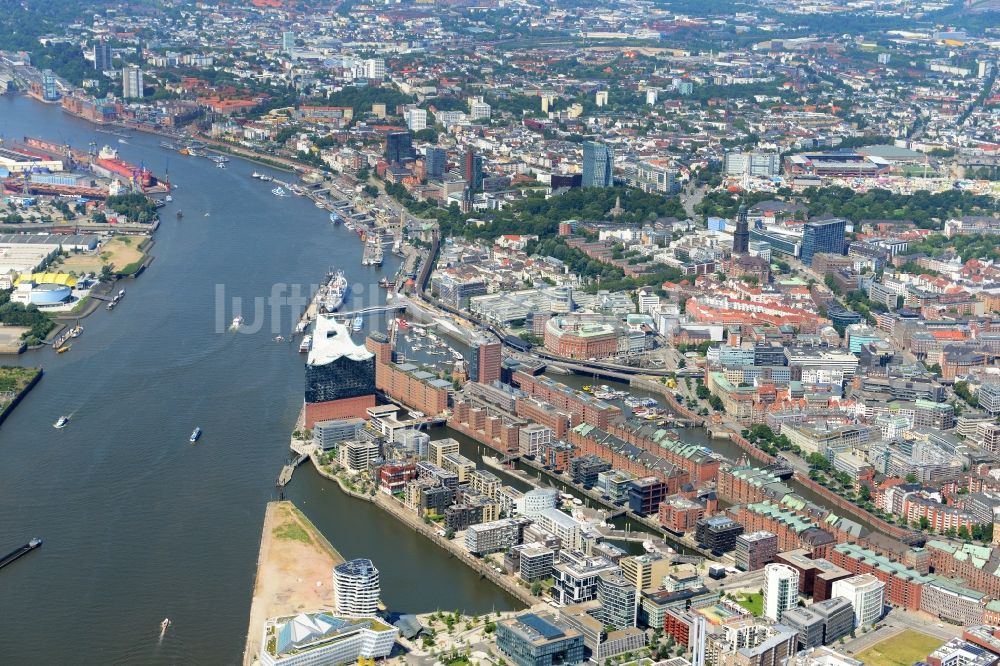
138	523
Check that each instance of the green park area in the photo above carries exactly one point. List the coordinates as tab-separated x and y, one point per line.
902	649
13	380
753	602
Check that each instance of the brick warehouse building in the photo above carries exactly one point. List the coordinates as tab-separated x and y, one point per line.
340	375
748	485
405	382
574	337
588	440
903	586
699	462
793	531
581	407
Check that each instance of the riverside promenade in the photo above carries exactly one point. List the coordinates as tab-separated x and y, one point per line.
410	519
294	571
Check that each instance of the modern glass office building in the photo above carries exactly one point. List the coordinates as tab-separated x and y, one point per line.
535	640
598	164
823	236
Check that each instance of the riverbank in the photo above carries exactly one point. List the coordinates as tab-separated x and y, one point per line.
16	382
294	571
410	519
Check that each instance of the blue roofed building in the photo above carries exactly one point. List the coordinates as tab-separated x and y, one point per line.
535	640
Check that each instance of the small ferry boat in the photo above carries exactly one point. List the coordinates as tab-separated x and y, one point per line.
195	434
61	423
358	324
237	322
305	344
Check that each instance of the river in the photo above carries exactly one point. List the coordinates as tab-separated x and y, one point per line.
138	523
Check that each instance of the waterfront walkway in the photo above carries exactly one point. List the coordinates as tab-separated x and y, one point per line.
410	519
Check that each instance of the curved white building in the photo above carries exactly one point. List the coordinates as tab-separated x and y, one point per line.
781	590
358	588
535	501
866	594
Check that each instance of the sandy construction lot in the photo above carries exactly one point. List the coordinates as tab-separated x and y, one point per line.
294	571
119	252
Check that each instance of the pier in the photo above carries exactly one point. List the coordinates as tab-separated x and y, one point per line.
286	472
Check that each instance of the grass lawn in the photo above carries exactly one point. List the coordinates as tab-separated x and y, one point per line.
901	650
292	531
753	602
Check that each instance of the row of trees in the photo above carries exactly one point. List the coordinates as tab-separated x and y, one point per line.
971	246
925	209
18	314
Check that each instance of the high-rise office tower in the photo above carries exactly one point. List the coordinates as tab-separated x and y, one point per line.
472	170
484	367
617	597
741	237
416	119
374	68
358	588
288	41
131	82
598	164
823	236
781	590
398	147
435	161
102	56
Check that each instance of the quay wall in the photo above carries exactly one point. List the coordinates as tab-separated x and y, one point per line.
411	520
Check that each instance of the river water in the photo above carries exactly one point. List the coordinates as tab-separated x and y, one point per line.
138	523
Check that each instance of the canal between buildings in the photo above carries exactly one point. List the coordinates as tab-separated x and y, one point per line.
138	523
